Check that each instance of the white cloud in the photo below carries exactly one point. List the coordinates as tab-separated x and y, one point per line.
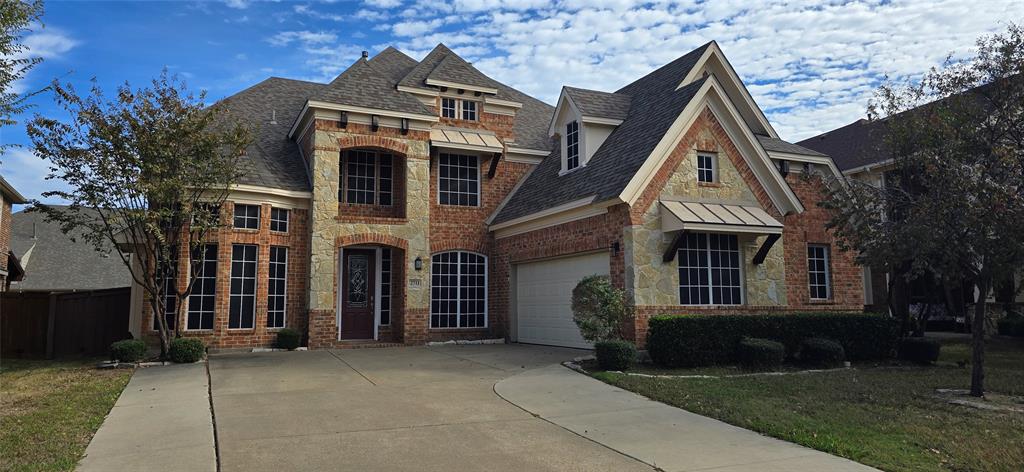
811	66
383	3
237	4
27	173
46	43
284	38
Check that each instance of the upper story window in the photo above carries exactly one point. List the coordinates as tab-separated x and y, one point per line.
279	220
572	145
706	168
366	178
448	108
818	272
247	216
469	110
458	180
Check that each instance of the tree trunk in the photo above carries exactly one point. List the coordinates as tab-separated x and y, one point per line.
978	340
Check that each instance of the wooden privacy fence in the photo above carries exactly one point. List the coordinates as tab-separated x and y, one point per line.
40	324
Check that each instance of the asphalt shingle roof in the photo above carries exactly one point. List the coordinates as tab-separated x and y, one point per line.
55	263
600	104
656	102
362	85
271	106
393	63
777	145
857	144
453	68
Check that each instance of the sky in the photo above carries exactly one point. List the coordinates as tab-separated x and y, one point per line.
811	66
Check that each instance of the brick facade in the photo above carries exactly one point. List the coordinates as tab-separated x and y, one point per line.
296	316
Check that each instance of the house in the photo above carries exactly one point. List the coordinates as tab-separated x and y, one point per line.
860	151
10	268
414	201
57	262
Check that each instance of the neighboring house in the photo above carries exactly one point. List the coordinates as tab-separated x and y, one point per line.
10	268
861	152
413	201
55	263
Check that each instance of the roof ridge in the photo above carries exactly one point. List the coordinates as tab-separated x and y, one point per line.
675	62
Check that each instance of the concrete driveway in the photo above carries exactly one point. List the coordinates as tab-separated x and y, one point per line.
415	408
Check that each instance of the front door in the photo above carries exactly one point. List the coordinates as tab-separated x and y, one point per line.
357	292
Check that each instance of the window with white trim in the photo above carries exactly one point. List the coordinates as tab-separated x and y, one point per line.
279	220
247	216
242	309
385	287
458	180
572	145
448	108
469	110
706	168
818	272
709	269
367	178
458	290
203	297
277	285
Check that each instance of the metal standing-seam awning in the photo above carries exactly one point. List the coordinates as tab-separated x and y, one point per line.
465	140
679	216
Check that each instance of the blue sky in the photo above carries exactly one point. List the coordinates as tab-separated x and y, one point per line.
811	65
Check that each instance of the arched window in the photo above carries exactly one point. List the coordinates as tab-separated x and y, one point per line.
458	290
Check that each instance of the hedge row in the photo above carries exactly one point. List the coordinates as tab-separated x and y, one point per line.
699	340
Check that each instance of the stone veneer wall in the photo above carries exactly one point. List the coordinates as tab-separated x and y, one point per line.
331	231
656	283
296	316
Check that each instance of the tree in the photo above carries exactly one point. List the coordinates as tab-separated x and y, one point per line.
953	205
15	18
599	309
146	171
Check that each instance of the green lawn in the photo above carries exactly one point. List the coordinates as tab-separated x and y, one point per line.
886	417
49	410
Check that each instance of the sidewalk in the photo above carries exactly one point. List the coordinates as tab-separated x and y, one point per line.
161	421
657	434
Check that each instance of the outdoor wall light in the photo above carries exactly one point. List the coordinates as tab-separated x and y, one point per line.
418	263
344	119
405	126
374	122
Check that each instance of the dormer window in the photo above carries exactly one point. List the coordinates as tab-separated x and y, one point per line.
469	110
706	168
572	145
448	108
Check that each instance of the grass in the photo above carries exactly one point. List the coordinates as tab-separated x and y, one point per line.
49	411
886	417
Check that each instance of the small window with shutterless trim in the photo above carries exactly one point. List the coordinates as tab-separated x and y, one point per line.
706	168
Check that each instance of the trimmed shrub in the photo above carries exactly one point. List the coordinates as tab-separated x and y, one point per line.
1011	326
599	309
821	352
699	340
615	355
756	353
186	350
920	350
289	339
128	350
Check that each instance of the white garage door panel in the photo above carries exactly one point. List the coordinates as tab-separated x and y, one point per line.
544	298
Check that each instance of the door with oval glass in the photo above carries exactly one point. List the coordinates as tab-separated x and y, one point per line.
357	303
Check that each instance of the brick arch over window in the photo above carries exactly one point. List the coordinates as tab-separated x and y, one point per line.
371	238
378	142
460	244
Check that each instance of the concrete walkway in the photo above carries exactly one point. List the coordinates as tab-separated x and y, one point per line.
161	421
668	438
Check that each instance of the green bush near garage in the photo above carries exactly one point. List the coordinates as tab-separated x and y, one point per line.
703	340
760	354
615	355
821	352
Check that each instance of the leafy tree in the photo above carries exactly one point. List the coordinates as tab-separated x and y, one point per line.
146	171
953	205
599	309
15	18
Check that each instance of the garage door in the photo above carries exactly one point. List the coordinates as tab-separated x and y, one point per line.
543	298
